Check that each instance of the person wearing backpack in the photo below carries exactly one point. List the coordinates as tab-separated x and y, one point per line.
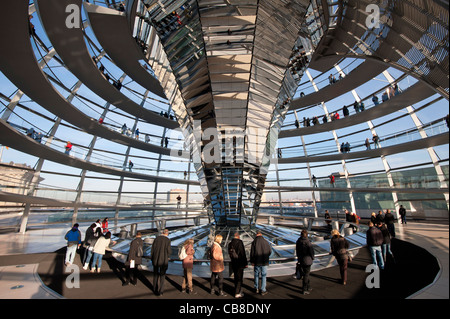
239	262
186	255
134	259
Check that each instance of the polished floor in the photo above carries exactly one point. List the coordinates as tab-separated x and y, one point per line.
44	247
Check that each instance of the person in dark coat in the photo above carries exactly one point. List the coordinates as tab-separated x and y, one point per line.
89	241
374	239
239	262
305	256
386	246
160	255
259	257
402	212
389	220
380	218
339	246
327	216
134	259
345	111
373	218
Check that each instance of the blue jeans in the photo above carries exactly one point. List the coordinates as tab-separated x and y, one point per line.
386	248
375	253
98	257
260	270
87	256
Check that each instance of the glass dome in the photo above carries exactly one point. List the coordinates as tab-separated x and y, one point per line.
232	111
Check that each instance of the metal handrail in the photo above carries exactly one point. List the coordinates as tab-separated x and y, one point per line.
278	259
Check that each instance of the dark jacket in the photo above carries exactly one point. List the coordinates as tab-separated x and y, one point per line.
237	246
136	251
161	251
305	251
389	218
89	238
386	234
260	252
348	217
374	237
339	246
380	218
345	111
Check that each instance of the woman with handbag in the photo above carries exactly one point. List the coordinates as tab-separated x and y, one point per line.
339	246
217	265
187	257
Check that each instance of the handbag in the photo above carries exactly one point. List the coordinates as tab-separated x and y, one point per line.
298	271
182	255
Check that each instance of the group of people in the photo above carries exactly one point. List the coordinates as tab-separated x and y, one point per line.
168	24
259	258
358	106
351	217
305	256
127	131
298	61
116	83
164	142
345	147
388	219
378	239
37	136
381	231
332	79
167	115
160	255
97	239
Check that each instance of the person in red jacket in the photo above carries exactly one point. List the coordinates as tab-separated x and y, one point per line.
105	225
332	180
68	148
